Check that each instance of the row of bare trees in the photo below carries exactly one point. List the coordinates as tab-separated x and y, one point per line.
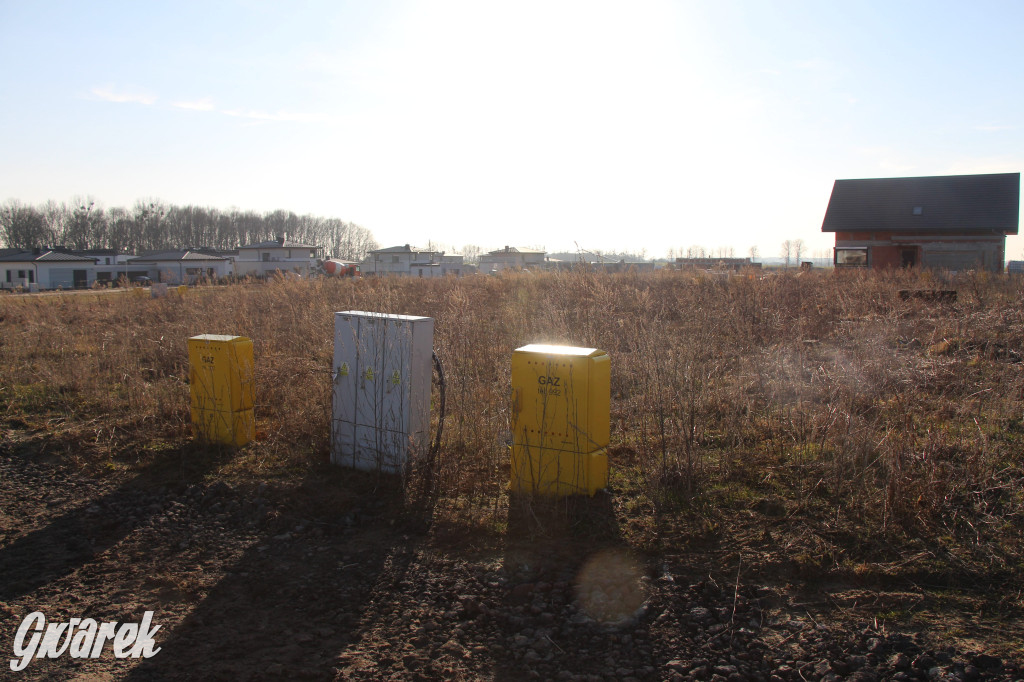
151	225
698	251
791	250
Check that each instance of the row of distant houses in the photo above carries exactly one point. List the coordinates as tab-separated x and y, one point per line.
956	222
58	268
410	261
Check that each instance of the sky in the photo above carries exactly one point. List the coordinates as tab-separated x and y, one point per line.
616	126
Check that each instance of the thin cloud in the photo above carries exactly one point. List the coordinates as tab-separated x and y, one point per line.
108	95
205	104
993	128
280	116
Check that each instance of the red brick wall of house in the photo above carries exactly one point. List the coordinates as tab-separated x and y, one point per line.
885	257
886	248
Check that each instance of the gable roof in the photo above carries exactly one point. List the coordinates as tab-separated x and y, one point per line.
41	256
175	255
403	249
945	203
514	249
278	244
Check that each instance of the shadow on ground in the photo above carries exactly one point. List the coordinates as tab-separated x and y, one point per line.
92	525
294	599
575	592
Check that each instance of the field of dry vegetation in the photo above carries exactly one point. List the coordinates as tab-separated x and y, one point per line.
812	427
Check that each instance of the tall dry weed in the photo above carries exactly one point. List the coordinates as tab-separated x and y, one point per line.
824	387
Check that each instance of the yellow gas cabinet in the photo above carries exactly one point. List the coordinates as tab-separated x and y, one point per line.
222	387
560	420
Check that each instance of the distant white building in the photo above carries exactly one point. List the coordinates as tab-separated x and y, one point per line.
454	264
111	265
276	255
43	268
179	266
411	262
511	257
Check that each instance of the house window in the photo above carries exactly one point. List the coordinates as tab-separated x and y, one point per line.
918	210
107	260
421	272
8	275
31	278
852	257
21	274
266	258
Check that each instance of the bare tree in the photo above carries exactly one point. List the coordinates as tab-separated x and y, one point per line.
21	226
349	241
86	224
754	252
148	229
787	251
55	218
120	232
798	249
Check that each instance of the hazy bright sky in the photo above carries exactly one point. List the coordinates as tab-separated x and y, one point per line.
612	125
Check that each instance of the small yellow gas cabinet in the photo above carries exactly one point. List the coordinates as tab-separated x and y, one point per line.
222	387
560	420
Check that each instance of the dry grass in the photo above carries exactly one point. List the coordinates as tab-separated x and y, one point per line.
821	393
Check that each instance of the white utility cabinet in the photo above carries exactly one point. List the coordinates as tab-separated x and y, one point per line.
381	403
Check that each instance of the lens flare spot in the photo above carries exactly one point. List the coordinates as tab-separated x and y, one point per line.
609	587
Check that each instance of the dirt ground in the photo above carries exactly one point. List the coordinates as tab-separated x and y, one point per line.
324	576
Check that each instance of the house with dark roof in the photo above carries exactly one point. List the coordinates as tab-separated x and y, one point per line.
951	222
44	268
179	266
276	255
413	262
